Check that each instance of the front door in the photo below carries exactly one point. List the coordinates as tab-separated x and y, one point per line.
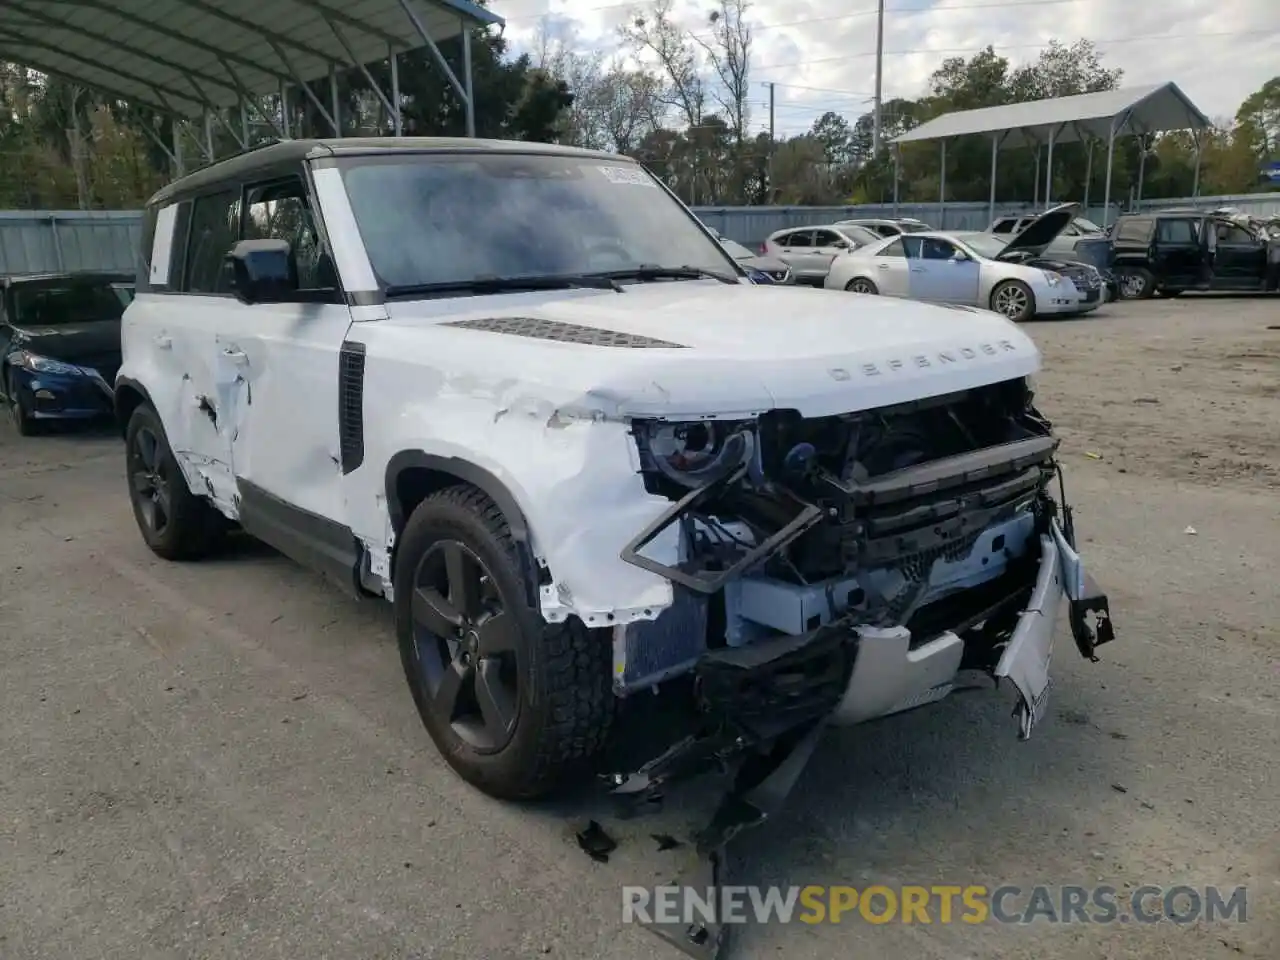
1240	261
277	365
940	272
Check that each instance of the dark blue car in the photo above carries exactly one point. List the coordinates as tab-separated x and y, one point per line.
60	345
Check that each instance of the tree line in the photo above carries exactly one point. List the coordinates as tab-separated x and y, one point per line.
677	99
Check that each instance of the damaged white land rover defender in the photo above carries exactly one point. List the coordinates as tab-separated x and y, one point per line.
521	392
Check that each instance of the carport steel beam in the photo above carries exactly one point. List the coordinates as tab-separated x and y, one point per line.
192	72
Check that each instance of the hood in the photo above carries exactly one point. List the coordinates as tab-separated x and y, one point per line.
700	348
95	344
1043	230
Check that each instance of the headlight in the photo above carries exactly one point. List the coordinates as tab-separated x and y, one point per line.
693	454
1051	278
38	364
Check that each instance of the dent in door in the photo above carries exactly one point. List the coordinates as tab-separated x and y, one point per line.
234	394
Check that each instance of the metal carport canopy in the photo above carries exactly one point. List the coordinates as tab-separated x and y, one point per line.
1102	116
184	58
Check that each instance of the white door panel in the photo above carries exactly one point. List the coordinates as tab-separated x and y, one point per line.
890	276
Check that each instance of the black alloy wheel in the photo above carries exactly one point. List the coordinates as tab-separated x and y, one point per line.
151	479
466	640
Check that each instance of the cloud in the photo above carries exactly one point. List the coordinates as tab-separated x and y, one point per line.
822	55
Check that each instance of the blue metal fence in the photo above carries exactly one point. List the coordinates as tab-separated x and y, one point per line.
40	241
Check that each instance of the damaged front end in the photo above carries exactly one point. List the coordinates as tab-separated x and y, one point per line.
837	569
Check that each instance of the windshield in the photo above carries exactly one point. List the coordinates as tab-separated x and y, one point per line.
983	245
49	303
736	250
859	235
430	219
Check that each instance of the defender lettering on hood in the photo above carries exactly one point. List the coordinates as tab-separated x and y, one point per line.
922	360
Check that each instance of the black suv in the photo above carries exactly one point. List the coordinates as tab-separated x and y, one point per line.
1170	251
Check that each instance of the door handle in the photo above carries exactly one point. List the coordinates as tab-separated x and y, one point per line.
883	266
164	343
917	269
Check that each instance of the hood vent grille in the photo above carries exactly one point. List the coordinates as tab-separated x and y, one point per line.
539	329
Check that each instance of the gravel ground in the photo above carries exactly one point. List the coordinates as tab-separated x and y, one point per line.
222	760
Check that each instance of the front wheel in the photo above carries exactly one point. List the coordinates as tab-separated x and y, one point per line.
174	522
19	415
1014	300
513	703
861	285
1137	284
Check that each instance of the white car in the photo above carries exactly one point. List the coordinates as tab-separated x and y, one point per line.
976	270
887	226
810	250
581	473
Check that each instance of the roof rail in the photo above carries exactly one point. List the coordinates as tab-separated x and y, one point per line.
269	142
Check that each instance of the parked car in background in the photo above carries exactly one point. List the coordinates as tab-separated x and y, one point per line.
887	226
976	269
810	250
760	268
1170	251
1064	244
60	345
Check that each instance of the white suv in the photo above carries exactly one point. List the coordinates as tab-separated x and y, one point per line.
521	393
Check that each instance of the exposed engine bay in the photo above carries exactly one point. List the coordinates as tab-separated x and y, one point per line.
923	515
837	569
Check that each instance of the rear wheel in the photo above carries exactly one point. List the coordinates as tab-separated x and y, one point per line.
20	416
174	522
514	704
1014	300
1137	283
861	285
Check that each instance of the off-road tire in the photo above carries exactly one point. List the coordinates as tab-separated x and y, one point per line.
566	700
869	287
21	419
1148	283
195	527
1029	304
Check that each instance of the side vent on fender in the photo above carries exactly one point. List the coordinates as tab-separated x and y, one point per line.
351	405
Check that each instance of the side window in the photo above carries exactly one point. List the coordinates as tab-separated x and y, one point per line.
281	211
1004	226
215	228
1229	233
1134	229
934	249
178	251
801	238
912	246
1176	231
886	230
825	238
895	249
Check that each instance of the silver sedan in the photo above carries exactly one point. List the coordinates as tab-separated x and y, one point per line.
949	268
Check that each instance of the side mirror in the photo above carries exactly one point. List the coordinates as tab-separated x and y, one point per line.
263	271
841	244
959	257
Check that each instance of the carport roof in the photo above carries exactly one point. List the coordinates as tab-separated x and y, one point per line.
1134	110
181	57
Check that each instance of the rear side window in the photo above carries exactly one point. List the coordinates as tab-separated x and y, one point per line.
1134	229
886	230
215	228
1176	231
895	249
800	238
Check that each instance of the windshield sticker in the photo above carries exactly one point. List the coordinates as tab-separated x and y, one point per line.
632	176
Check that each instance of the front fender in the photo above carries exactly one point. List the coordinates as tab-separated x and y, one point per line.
569	487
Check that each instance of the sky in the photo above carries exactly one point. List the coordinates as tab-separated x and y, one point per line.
821	56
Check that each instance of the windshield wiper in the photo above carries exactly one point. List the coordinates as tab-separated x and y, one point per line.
653	271
494	284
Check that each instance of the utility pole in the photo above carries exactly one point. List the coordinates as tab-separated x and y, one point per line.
875	136
769	194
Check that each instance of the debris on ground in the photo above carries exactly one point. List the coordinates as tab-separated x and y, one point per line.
1146	400
666	841
1093	456
595	843
1119	788
1190	531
